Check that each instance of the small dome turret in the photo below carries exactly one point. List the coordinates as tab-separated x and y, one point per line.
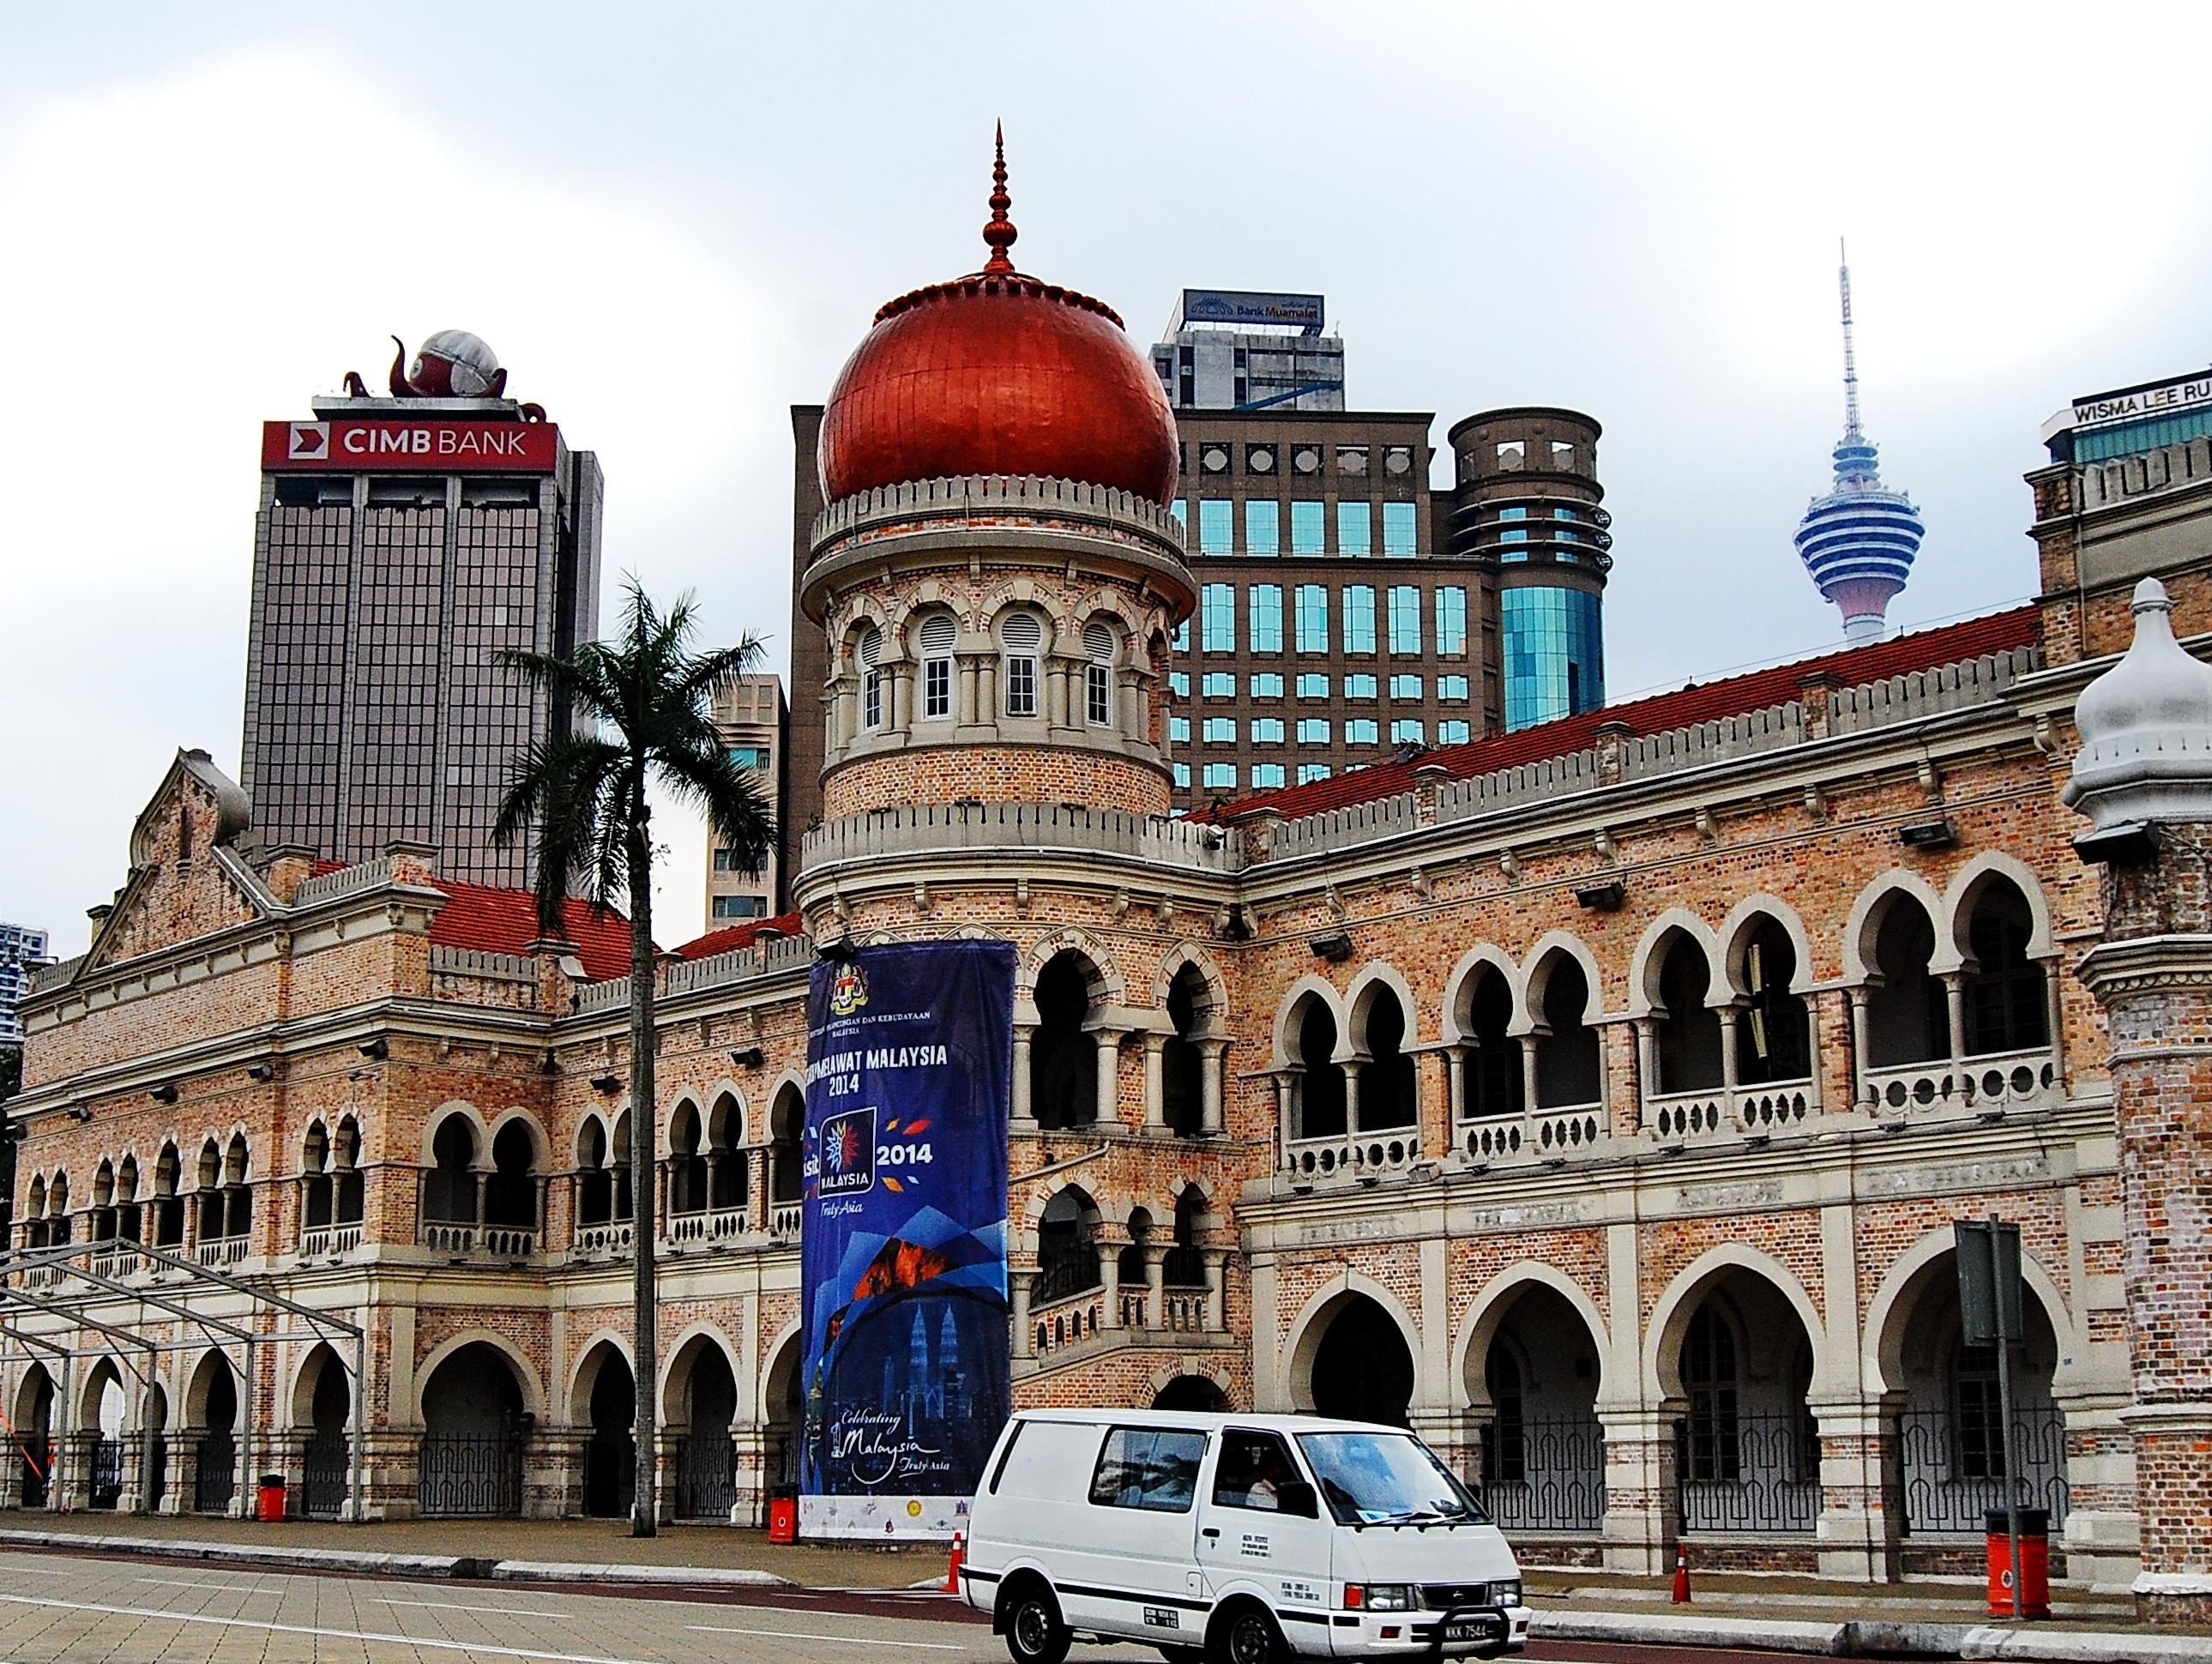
2146	727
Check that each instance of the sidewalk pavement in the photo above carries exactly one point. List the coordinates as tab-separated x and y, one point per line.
1925	1618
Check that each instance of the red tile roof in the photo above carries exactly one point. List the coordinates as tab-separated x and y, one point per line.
1949	644
734	937
496	920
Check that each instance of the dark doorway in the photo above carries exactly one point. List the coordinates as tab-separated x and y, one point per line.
610	1455
1363	1370
329	1462
1192	1393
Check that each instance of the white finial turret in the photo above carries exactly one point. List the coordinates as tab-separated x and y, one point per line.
2146	727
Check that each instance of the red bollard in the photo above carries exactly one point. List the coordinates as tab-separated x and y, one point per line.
1681	1576
952	1572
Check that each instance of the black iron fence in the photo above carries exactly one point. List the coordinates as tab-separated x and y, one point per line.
215	1476
326	1473
470	1473
706	1476
610	1475
1953	1467
1739	1471
1065	1272
106	1487
36	1474
1545	1474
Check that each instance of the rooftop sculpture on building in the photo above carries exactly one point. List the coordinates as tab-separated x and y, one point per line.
1858	541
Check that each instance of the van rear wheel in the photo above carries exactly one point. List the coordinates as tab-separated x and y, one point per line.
1035	1633
1247	1636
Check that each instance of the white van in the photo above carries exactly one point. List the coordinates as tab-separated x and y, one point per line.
1235	1539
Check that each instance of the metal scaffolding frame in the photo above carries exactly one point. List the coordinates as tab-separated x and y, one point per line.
77	1291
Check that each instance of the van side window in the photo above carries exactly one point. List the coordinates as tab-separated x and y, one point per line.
1148	1467
1252	1472
1014	1437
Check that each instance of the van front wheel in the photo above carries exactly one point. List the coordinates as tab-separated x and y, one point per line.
1248	1636
1035	1634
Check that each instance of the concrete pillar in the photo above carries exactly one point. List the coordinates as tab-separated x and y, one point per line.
1108	1110
1216	1054
1639	1530
1861	1053
1730	1017
1954	1006
1861	1529
1024	1120
1018	1287
1156	1108
1155	1298
1432	1114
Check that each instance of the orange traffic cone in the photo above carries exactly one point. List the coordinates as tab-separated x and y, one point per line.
952	1572
1681	1576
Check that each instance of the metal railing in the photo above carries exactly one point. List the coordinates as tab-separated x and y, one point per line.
1952	1467
1741	1472
215	1476
106	1487
325	1473
1545	1474
706	1476
469	1473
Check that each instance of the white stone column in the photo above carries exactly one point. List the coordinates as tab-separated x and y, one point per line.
1954	1005
1108	1110
1156	1108
1017	1286
1862	1050
1025	1118
1215	1053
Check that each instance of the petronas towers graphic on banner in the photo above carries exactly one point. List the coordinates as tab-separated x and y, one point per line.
1858	541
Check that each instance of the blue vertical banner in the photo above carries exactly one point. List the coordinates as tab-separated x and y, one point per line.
907	1361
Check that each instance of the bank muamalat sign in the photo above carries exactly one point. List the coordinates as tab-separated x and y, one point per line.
345	448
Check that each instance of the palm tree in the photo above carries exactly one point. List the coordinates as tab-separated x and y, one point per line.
640	708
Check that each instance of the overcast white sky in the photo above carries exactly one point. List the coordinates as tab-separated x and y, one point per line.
673	221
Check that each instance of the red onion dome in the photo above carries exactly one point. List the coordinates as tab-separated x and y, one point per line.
998	373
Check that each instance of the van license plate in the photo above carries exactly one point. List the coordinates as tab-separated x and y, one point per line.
1474	1631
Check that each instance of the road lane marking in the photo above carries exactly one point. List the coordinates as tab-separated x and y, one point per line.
450	1605
344	1635
813	1635
186	1583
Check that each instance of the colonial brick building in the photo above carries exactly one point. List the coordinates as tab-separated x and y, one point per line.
1596	1098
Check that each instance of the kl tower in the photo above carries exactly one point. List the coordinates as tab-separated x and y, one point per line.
1858	541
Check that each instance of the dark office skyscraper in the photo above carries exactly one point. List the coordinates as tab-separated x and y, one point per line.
401	543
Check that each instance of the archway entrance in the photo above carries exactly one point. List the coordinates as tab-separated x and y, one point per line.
1191	1393
1747	1451
215	1467
34	1420
327	1466
1543	1449
1950	1434
105	1408
471	1453
706	1454
785	1400
611	1454
1363	1370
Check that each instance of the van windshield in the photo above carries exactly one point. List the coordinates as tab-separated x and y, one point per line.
1386	1478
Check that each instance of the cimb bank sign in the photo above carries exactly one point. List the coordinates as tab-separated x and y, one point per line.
345	447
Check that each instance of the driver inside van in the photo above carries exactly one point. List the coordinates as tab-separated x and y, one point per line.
1253	1473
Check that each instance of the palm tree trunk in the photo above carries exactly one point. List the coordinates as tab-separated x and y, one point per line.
644	1119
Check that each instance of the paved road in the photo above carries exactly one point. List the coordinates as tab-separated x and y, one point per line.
133	1611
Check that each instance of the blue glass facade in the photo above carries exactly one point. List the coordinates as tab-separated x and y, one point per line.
1554	653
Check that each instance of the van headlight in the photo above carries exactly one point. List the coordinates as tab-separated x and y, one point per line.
1379	1597
1506	1593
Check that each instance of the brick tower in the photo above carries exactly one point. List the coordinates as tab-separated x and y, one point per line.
2144	779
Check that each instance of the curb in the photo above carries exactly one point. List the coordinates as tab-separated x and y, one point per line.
571	1571
257	1554
1875	1639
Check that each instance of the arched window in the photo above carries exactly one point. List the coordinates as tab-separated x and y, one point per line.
449	1196
1098	674
1567	1063
940	632
595	1185
2006	1009
1184	1266
1907	1017
128	1216
511	1187
687	1166
59	1226
618	1159
786	1130
351	1186
1182	1062
238	1196
1492	1079
1063	1056
871	679
103	1202
1067	1247
1689	1029
34	1212
314	1178
168	1206
1386	1075
210	1190
1773	1037
1129	1264
1321	1093
727	1164
1022	636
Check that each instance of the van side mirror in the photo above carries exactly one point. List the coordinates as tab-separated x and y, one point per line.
1297	1497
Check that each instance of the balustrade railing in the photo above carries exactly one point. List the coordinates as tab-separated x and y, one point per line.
1069	1321
718	1225
492	1241
117	1262
219	1251
1953	1464
1533	1134
1544	1474
2003	1081
1349	1154
321	1241
1748	1473
1186	1311
783	1219
1728	1112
